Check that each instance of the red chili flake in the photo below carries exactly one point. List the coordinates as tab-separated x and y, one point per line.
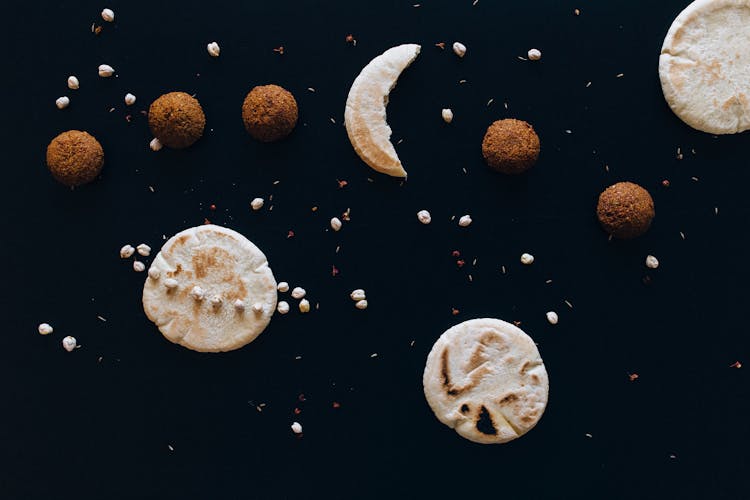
350	39
301	398
128	118
206	221
456	253
633	376
297	411
279	49
342	183
334	271
440	45
455	311
97	30
736	364
517	323
460	263
212	207
345	215
290	234
665	183
336	404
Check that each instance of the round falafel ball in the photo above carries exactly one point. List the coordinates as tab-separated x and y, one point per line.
269	113
75	157
625	210
176	119
510	146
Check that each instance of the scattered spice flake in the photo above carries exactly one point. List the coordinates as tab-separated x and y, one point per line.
588	435
334	271
606	168
665	183
588	84
517	323
310	89
346	215
455	253
672	456
474	262
275	182
620	75
128	118
399	142
370	179
374	355
682	235
338	247
97	30
716	210
474	3
111	110
301	398
506	105
577	12
679	153
548	282
460	263
633	377
336	405
93	25
416	5
471	278
171	448
521	58
206	221
568	304
342	183
462	81
490	101
350	39
297	411
314	209
454	311
694	178
464	170
102	318
279	50
502	269
736	364
212	207
440	45
411	344
290	234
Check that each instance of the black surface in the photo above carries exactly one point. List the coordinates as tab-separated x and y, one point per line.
98	423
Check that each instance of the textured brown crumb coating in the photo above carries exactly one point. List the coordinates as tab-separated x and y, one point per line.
75	157
269	113
510	146
625	210
176	119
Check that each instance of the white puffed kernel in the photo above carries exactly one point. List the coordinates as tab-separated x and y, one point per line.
335	224
239	304
170	283
282	307
257	308
465	221
256	204
62	102
129	99
216	300
534	54
154	273
283	287
105	70
143	249
459	49
358	295
552	317
213	49
155	144
424	217
652	262
126	251
304	306
73	83
361	304
527	258
447	115
197	293
296	428
298	292
138	266
69	343
108	15
45	329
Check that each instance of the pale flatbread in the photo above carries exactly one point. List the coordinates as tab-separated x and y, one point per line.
224	264
704	66
365	116
485	379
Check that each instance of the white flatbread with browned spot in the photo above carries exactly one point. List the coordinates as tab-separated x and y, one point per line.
485	379
704	66
210	289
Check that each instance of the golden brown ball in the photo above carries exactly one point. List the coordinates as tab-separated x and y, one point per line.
625	210
269	113
510	146
176	119
75	157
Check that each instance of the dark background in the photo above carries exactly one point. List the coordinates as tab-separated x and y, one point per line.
98	422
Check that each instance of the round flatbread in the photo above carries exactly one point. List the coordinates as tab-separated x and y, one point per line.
485	379
210	289
704	66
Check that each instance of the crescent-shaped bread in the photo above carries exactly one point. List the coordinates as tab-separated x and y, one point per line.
365	115
485	379
704	66
224	265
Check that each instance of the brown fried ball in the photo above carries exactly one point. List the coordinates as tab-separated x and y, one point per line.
625	210
269	113
176	119
75	158
510	146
